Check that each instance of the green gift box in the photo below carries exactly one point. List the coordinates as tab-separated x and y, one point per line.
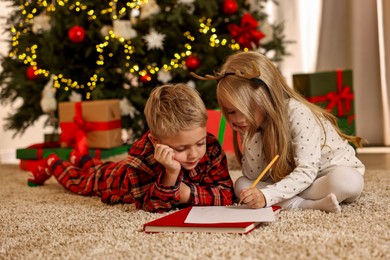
39	151
330	90
51	137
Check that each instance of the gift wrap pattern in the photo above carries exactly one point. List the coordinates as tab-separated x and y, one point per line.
90	124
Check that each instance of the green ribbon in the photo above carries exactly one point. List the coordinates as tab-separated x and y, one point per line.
222	128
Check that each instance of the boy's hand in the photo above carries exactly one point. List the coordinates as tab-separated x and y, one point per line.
166	156
253	198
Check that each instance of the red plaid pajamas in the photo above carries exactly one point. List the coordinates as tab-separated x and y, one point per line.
136	179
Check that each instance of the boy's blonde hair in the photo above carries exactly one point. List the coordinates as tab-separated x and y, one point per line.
172	108
270	95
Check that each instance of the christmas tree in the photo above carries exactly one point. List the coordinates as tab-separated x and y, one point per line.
90	50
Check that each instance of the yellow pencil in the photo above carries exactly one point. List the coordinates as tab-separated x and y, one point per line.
262	173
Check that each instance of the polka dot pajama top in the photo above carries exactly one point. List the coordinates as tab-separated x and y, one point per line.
315	154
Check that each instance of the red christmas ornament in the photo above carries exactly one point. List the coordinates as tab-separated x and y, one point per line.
145	78
30	72
230	6
192	62
247	32
76	34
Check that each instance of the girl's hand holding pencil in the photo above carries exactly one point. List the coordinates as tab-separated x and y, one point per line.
254	198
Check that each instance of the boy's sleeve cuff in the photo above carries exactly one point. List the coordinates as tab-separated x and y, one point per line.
167	188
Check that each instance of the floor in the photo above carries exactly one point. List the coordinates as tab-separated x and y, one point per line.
375	160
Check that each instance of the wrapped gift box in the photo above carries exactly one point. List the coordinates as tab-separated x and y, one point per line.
217	126
331	90
40	151
95	124
31	157
51	137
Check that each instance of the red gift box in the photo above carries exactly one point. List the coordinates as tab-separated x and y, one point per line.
218	126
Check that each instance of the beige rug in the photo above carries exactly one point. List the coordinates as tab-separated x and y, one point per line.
49	222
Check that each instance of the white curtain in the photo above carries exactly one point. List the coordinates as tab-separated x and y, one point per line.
302	20
383	7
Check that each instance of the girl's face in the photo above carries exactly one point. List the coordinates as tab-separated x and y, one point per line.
189	146
238	121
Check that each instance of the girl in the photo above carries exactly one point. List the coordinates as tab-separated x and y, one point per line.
317	167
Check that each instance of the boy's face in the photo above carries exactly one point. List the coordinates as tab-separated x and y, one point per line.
189	146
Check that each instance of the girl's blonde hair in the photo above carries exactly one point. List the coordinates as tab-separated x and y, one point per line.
172	108
270	94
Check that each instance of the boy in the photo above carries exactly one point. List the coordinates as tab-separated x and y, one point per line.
175	164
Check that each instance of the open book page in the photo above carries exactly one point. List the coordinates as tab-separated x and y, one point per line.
229	214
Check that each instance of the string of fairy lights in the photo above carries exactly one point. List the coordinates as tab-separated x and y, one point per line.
29	55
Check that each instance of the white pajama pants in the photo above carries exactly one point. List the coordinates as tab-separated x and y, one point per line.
345	182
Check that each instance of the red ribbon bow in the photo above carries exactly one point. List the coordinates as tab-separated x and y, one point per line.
247	32
83	127
336	98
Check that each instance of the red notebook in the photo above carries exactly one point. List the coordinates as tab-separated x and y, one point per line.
174	222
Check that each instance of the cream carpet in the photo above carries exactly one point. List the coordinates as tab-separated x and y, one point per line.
49	222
